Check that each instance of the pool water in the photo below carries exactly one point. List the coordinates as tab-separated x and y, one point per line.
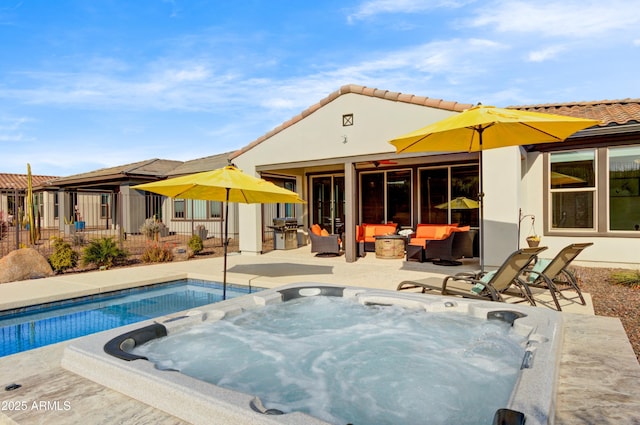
37	326
345	362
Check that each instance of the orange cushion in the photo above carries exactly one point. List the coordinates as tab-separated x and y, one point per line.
426	232
461	229
369	231
324	232
316	229
441	232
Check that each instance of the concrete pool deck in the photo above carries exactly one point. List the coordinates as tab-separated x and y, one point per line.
598	373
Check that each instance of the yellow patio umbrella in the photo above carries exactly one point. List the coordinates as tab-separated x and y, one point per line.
460	203
487	127
227	184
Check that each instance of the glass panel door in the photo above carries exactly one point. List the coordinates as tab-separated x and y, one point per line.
434	192
327	205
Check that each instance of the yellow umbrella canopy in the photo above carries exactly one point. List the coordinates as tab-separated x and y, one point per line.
227	184
460	203
487	127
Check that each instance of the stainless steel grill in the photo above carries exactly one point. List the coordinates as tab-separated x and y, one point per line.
285	232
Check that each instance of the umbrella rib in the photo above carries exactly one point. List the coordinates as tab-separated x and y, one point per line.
411	144
542	131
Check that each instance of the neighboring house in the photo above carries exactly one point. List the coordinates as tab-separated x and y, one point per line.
179	214
13	191
104	199
337	156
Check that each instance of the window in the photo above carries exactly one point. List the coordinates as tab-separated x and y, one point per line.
440	185
624	188
196	209
178	208
104	205
399	197
573	189
386	197
595	189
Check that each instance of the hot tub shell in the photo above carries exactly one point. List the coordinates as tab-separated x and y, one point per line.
106	359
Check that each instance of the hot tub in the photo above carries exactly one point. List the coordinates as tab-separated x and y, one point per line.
124	359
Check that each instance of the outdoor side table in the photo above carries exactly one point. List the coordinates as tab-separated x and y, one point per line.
415	253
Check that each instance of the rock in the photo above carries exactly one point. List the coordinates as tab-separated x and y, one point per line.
181	253
23	264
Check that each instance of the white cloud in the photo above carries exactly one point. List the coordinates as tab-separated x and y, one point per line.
575	18
545	54
12	129
372	8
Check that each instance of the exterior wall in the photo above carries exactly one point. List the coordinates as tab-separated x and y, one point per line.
501	181
606	250
321	136
133	210
214	228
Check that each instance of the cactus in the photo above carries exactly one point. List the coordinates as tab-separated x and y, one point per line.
34	234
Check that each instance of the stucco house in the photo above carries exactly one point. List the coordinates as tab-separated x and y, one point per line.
13	190
104	199
336	155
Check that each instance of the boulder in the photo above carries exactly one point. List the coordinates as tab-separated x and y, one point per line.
181	253
23	264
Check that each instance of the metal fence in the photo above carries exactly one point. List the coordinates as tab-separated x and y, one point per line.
81	217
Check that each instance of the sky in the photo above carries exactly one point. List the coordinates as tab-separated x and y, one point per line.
91	84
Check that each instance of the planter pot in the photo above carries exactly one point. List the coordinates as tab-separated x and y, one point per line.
533	242
69	229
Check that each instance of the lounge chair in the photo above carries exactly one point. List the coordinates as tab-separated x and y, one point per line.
492	285
552	274
324	245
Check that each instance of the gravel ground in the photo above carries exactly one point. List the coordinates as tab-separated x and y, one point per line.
613	300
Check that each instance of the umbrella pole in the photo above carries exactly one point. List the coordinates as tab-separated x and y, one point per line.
481	199
226	244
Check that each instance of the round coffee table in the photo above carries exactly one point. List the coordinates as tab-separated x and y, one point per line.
390	246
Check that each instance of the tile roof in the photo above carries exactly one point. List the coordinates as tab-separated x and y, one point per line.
19	181
610	112
151	167
198	165
365	91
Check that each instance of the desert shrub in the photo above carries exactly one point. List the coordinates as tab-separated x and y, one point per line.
195	244
103	252
63	256
630	278
150	228
156	253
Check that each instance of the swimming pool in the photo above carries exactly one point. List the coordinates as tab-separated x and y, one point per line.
114	360
36	326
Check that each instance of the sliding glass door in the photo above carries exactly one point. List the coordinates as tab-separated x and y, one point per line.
328	202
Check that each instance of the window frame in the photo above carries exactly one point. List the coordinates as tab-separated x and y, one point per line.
593	190
385	196
187	213
601	202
